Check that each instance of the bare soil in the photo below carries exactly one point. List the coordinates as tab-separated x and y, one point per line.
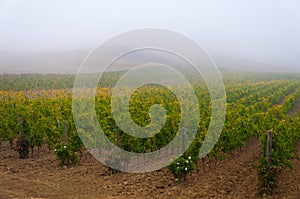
234	177
295	110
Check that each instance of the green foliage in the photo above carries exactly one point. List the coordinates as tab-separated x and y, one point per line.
13	82
65	155
181	167
285	135
255	104
267	178
68	153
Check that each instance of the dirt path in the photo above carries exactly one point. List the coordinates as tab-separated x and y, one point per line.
295	110
289	185
233	177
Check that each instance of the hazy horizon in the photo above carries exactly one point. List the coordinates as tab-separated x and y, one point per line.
54	36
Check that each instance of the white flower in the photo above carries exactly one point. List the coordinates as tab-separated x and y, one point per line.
54	150
187	161
189	157
178	163
65	147
185	168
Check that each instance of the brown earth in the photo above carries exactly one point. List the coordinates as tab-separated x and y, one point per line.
295	110
233	177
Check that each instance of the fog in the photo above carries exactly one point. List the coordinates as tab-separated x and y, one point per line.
55	36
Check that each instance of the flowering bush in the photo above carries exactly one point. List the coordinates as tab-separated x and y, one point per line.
65	155
15	140
181	167
68	153
22	145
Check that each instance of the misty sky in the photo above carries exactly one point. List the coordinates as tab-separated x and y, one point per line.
265	31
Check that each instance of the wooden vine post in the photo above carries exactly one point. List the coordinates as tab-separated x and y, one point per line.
183	141
66	138
119	145
118	136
